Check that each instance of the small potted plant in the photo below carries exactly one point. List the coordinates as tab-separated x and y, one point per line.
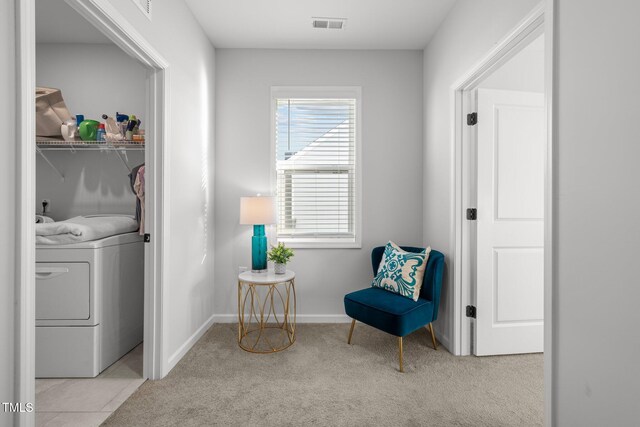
280	255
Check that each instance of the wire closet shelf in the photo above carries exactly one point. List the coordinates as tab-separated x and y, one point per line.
119	147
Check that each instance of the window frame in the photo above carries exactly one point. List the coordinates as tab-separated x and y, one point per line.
322	92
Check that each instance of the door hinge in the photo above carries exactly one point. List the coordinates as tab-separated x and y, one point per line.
147	238
472	214
471	311
472	119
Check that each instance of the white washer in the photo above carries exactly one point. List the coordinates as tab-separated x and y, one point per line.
89	304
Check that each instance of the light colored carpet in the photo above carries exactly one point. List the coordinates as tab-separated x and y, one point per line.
321	380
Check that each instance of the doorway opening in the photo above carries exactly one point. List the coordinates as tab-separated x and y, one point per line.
505	177
89	288
491	71
114	46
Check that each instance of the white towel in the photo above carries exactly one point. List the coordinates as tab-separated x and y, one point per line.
83	229
41	219
56	228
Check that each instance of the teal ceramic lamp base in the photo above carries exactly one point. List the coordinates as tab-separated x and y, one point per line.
258	250
258	211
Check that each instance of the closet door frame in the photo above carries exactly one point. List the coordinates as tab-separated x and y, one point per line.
117	28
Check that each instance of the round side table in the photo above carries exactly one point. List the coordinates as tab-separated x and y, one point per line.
266	311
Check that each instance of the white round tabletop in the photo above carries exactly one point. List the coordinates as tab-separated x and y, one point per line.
266	278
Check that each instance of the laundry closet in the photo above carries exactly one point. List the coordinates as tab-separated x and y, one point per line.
90	186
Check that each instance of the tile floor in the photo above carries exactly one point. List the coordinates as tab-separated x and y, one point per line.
85	402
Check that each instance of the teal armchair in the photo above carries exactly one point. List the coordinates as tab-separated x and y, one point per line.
396	314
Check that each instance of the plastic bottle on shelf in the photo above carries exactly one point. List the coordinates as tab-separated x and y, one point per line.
136	127
130	125
139	137
100	135
122	120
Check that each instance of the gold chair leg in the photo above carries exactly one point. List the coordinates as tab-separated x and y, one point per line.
433	336
353	323
400	348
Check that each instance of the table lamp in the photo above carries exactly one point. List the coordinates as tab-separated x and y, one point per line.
258	211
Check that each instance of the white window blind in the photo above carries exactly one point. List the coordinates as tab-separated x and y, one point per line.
316	169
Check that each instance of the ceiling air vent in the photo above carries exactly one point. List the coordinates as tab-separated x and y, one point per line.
329	23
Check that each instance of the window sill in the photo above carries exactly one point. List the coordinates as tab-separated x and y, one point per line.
320	243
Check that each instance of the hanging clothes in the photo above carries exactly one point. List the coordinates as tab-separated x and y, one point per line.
138	187
132	180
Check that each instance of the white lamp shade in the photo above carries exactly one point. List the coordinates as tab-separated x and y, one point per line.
257	210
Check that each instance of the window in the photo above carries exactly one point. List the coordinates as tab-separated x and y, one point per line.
316	166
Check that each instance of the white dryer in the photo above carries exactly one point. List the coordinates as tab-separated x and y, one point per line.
89	304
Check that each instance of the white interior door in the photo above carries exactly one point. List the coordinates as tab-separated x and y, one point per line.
510	233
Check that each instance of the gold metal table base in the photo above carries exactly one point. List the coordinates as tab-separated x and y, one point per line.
266	316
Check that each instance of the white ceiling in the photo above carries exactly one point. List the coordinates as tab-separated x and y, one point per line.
286	24
57	22
278	24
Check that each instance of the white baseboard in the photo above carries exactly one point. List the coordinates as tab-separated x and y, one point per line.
444	341
300	318
184	348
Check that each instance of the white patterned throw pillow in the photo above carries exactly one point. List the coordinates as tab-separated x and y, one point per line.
401	272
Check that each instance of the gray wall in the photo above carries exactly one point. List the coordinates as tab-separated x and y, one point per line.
597	200
188	292
391	84
95	182
95	79
8	224
470	30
